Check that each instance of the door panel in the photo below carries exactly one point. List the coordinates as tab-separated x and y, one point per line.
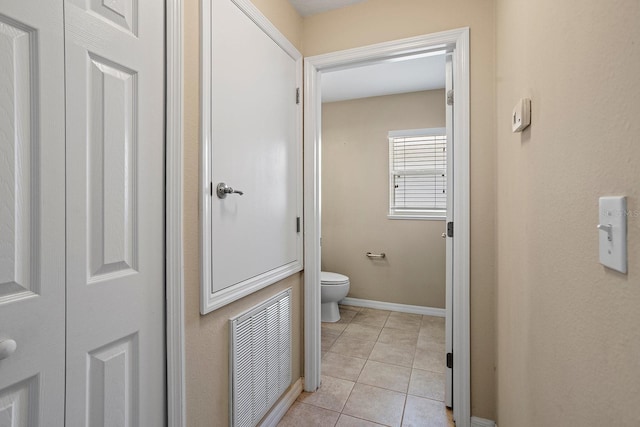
110	172
448	399
113	383
115	213
32	227
254	149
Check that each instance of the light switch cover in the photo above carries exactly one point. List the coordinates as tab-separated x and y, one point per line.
612	231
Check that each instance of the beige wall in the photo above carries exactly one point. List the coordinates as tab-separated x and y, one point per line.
284	17
568	330
377	21
355	201
206	337
366	23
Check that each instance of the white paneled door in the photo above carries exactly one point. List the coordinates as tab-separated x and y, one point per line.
252	142
254	138
81	213
32	226
115	221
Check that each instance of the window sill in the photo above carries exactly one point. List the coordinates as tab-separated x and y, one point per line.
422	217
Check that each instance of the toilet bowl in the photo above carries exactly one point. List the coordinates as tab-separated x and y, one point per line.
333	288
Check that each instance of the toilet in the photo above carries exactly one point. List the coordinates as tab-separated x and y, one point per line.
333	288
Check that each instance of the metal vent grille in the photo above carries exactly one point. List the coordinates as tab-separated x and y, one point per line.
260	359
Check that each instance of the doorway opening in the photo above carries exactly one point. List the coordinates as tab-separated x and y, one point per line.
455	42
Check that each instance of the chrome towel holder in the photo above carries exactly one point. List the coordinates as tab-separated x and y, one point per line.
372	255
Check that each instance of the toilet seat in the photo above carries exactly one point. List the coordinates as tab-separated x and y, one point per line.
329	278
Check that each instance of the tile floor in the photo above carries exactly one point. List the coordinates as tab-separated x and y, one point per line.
379	368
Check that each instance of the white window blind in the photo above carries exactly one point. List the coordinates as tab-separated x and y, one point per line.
417	172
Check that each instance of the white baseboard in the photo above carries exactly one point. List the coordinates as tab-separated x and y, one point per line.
403	308
280	409
481	422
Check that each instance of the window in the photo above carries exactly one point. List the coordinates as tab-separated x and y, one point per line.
417	174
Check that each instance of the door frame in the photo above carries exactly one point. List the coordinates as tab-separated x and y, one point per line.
174	278
313	68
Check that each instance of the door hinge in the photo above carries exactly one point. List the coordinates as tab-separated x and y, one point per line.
450	229
450	360
450	97
211	189
297	224
297	95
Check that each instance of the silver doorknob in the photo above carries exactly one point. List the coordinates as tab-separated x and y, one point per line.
444	235
7	348
223	189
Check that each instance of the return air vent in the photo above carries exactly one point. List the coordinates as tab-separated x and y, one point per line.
260	359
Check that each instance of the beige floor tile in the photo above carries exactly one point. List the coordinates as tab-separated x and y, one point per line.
375	310
406	316
433	328
362	332
347	314
340	366
394	354
334	327
427	384
429	360
369	317
328	338
332	394
301	414
352	347
431	339
375	404
432	320
420	412
384	375
398	336
349	307
406	321
348	421
432	332
370	359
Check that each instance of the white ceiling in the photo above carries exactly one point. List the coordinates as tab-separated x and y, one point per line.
311	7
385	78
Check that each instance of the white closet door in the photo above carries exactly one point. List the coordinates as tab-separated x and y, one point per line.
32	227
115	189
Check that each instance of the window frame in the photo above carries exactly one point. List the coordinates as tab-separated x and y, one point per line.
416	214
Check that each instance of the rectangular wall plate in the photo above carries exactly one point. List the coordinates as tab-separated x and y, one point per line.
612	232
521	116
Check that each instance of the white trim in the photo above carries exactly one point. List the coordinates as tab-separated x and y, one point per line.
407	133
314	66
176	414
414	216
280	409
402	308
312	130
462	234
481	422
210	300
448	318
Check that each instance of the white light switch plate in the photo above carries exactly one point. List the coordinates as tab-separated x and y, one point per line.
613	240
